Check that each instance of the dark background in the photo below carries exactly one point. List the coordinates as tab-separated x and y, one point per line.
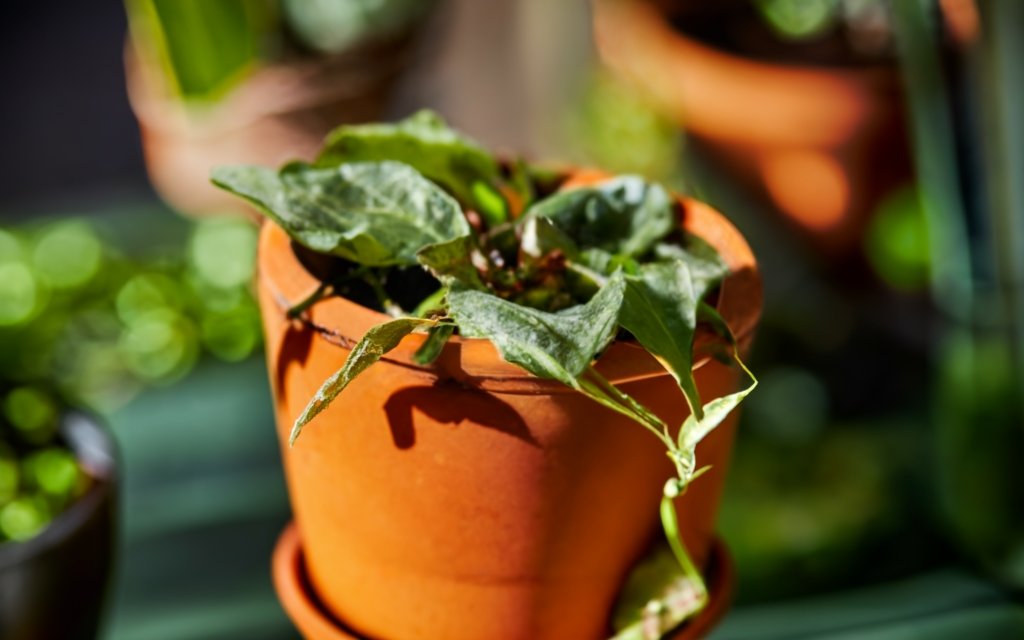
66	129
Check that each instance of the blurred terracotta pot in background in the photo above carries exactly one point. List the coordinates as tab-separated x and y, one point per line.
823	143
469	499
280	113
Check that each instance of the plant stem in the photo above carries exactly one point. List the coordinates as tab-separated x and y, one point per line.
301	306
386	303
586	272
670	524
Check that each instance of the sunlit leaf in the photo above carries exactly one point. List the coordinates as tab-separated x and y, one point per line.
426	143
373	213
370	348
660	310
625	215
549	345
452	259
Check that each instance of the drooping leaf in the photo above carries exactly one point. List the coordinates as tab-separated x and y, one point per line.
437	337
423	141
626	215
370	348
452	259
660	310
557	345
373	213
715	411
597	388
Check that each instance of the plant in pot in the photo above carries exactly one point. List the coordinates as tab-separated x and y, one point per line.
479	368
57	501
799	98
214	82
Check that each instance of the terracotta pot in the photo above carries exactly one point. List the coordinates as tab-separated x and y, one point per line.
54	585
302	605
280	113
823	144
470	499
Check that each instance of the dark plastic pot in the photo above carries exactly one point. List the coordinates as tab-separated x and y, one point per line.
54	585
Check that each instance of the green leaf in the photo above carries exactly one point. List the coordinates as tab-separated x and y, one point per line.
597	388
452	259
423	141
437	337
370	348
625	216
660	310
204	48
707	269
373	213
694	430
433	303
557	345
540	237
489	203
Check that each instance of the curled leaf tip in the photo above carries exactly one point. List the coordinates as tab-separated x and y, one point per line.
296	430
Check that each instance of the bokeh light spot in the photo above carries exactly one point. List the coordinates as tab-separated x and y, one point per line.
808	186
896	242
68	254
19	294
223	251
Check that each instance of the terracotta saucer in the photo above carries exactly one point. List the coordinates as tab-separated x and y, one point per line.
314	623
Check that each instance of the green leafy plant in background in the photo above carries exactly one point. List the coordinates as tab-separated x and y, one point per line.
39	476
550	280
96	324
85	323
608	112
976	246
203	46
206	47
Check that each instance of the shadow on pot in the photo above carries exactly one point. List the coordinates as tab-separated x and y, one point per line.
454	407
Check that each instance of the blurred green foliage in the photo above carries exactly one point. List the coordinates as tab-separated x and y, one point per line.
204	48
609	114
90	320
98	324
39	477
896	241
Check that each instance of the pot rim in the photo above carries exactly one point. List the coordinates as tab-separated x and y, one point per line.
476	361
711	90
300	603
95	451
